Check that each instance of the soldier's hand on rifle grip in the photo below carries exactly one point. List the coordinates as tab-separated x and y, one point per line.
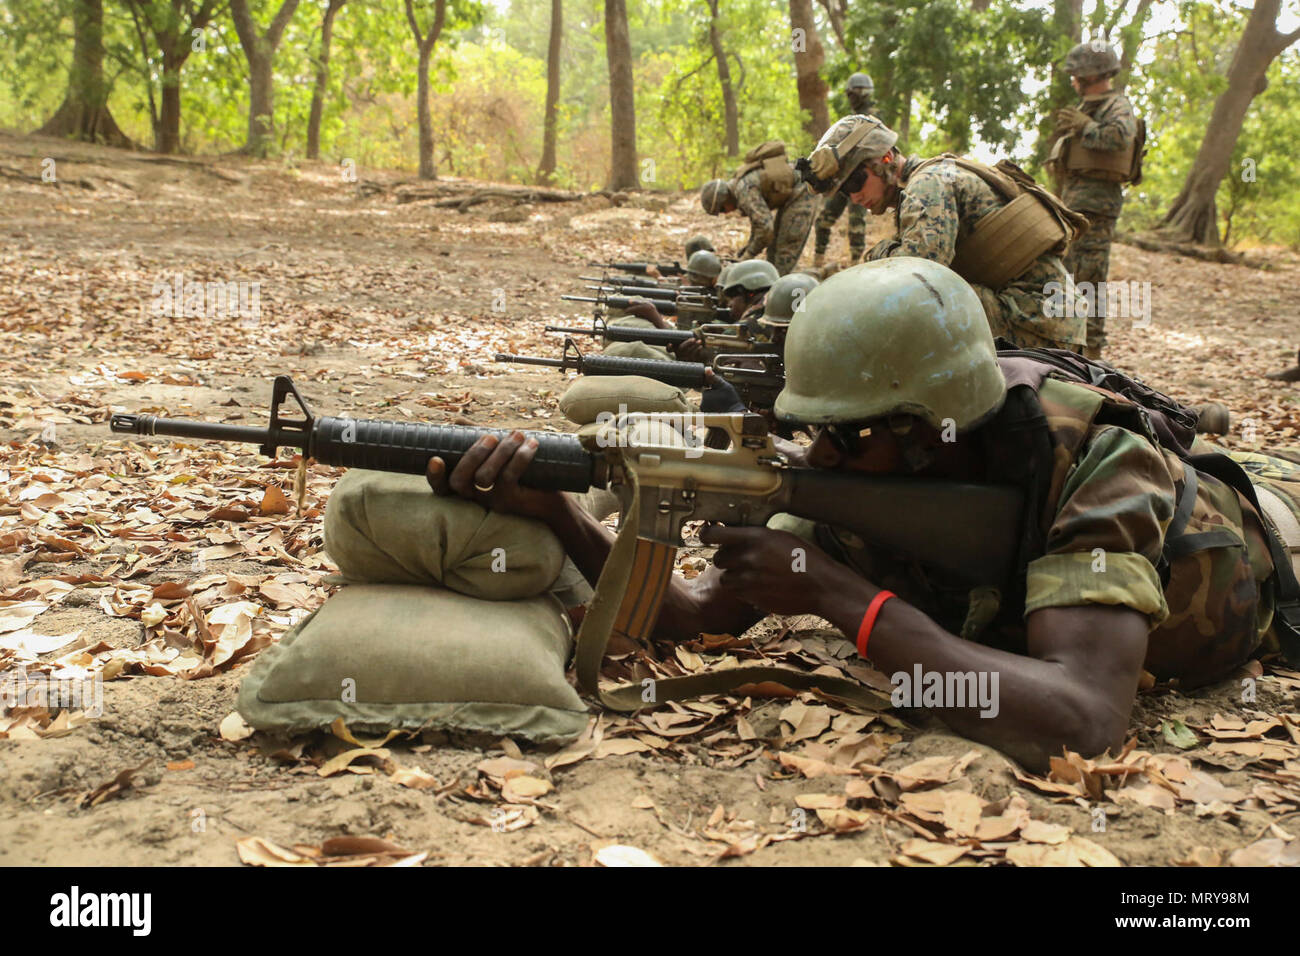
775	571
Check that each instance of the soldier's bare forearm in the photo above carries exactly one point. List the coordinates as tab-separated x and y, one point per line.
1076	692
584	539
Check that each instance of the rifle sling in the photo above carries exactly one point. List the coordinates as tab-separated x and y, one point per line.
628	596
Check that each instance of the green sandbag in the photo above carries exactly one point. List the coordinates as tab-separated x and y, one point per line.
392	529
590	395
641	350
387	656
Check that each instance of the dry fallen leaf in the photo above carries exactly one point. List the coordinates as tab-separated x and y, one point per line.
619	855
234	728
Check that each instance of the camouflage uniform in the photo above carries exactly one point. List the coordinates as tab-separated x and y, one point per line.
1113	128
833	205
832	208
779	234
1100	529
941	204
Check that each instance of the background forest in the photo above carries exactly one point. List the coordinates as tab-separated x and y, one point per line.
521	90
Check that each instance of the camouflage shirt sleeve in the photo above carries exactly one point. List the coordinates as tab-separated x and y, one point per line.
1108	533
1113	129
927	220
762	224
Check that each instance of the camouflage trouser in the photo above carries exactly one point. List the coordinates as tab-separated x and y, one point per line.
1089	261
793	223
1018	311
832	208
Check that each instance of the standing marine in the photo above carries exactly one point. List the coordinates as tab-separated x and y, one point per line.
860	92
1098	148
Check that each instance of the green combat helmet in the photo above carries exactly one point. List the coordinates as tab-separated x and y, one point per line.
1092	58
703	263
752	275
859	89
898	336
786	297
848	144
714	195
696	243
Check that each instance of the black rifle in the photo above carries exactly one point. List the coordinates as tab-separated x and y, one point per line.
968	531
663	306
717	337
757	386
641	268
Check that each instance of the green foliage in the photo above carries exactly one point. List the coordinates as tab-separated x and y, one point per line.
964	70
1177	91
948	76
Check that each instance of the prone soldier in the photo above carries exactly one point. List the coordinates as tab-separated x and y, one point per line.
891	369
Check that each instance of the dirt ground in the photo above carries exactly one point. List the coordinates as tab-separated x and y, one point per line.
165	567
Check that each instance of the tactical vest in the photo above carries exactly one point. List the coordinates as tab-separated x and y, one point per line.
1004	243
1116	166
776	180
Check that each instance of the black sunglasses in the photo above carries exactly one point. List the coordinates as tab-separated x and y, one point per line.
846	439
857	179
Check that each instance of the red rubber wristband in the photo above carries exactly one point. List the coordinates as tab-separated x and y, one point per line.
869	619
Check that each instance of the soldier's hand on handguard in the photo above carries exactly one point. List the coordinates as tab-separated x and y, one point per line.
489	474
775	571
692	350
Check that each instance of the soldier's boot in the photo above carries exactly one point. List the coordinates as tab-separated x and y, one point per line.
1287	375
1092	352
819	259
856	253
1212	418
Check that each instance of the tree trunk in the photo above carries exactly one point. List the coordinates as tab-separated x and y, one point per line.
428	170
546	168
169	112
622	97
322	79
424	43
84	114
731	113
259	50
835	12
1067	21
1130	40
808	63
1192	217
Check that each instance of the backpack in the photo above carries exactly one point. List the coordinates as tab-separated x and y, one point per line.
776	178
1003	244
1172	426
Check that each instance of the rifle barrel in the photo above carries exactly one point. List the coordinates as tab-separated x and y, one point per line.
529	360
561	463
